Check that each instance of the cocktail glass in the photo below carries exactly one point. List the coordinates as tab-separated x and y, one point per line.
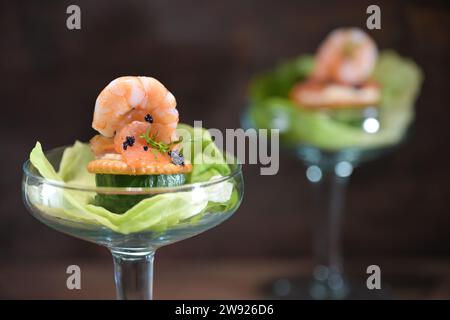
132	252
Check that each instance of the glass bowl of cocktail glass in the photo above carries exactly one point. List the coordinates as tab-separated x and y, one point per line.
133	252
328	170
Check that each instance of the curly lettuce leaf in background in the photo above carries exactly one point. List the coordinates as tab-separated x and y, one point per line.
270	106
156	213
278	83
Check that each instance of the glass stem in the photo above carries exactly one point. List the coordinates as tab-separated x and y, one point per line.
329	194
133	274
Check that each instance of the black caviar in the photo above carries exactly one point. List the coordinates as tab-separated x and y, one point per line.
148	118
129	142
177	157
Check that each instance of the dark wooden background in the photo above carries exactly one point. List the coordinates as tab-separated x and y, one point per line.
206	52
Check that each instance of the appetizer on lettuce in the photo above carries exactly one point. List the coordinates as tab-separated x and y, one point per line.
139	144
323	100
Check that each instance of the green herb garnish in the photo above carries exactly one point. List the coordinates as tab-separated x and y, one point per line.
159	146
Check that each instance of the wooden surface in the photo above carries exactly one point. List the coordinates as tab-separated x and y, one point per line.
219	279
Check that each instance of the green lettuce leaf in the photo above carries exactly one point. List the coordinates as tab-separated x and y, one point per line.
41	163
156	213
278	83
73	165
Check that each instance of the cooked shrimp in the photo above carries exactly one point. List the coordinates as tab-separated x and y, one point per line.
101	145
128	99
347	56
313	94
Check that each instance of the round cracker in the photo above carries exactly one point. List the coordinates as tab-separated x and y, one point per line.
111	166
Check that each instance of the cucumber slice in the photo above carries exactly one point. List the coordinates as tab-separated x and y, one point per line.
121	203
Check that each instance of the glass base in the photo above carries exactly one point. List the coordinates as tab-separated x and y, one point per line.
303	288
